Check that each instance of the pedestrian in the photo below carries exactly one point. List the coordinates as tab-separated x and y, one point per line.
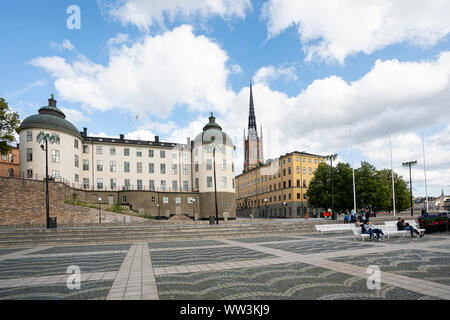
346	216
353	216
370	229
402	225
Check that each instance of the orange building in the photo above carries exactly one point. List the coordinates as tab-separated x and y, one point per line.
9	164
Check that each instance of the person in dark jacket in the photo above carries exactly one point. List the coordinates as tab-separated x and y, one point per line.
402	225
370	229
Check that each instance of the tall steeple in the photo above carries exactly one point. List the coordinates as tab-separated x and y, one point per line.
251	114
253	151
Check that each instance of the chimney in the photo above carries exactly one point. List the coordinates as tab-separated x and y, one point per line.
122	137
156	138
85	132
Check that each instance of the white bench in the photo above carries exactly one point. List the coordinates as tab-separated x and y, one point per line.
390	228
357	233
338	228
415	225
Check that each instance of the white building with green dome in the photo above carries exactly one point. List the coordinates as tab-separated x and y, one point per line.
149	175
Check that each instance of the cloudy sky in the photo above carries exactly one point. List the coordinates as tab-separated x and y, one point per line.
159	67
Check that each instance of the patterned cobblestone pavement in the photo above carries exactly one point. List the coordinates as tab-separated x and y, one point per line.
304	266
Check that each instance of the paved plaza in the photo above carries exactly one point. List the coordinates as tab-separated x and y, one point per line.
303	266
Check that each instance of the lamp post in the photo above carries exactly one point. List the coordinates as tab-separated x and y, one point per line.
159	217
392	173
353	168
331	158
267	210
99	211
54	138
193	207
409	164
215	184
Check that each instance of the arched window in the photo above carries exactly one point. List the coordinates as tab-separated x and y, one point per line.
10	173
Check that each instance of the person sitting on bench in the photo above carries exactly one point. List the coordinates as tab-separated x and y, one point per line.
370	229
402	225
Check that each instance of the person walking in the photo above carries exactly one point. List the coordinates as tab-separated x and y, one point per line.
346	216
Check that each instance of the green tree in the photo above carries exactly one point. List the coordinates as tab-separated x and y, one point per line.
319	191
9	123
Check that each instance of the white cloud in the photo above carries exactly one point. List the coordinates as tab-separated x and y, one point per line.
65	45
267	73
147	13
74	116
332	30
149	77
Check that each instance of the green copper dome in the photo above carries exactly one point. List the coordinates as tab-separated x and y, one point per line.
212	132
50	118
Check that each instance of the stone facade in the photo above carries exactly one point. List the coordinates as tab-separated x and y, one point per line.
22	202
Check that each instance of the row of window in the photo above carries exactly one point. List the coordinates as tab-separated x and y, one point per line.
269	188
8	157
259	202
264	178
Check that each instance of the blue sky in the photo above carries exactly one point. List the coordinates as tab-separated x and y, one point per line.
315	67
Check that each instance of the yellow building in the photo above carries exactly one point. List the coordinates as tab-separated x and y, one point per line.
278	188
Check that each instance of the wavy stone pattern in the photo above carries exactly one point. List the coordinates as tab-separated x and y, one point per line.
183	244
317	246
430	266
31	267
285	281
93	290
83	249
204	256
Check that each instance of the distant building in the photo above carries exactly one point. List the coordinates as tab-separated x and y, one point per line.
10	163
172	173
278	188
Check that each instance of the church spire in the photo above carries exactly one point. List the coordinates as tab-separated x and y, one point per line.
251	116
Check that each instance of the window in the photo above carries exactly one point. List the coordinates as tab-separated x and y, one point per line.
138	152
162	153
4	155
151	154
99	165
55	156
10	173
315	160
224	164
298	195
232	181
298	170
289	159
112	151
304	159
196	183
298	182
99	150
185	156
126	166
309	171
77	178
208	164
163	185
163	168
151	185
174	156
224	182
126	152
304	170
139	184
174	169
113	184
174	185
165	200
289	184
77	161
177	200
85	183
185	169
29	173
209	182
139	167
196	166
224	204
297	159
289	196
289	170
99	183
196	151
124	199
112	166
309	160
284	172
86	165
127	184
29	154
85	148
232	169
185	185
153	199
284	161
304	183
29	135
151	168
75	143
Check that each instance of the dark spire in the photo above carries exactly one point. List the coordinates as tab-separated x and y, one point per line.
251	116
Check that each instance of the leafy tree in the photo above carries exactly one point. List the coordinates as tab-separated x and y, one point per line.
9	123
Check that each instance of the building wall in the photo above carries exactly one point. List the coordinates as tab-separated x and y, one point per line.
10	161
283	180
28	197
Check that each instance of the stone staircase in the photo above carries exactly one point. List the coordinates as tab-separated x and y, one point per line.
28	237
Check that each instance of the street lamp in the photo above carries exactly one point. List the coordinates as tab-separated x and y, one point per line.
409	164
331	158
54	138
193	207
159	217
215	184
265	204
99	211
284	208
